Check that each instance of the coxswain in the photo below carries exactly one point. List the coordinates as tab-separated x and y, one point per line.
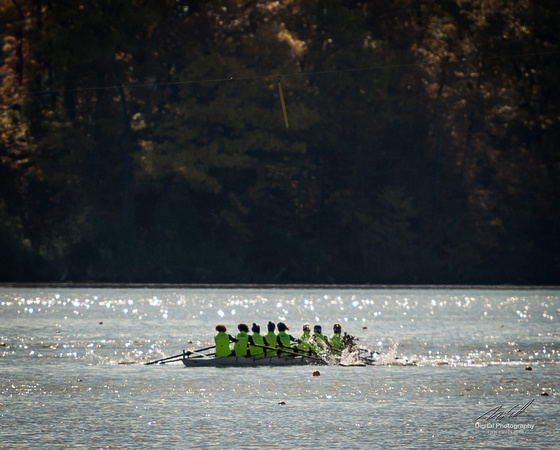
348	342
222	340
335	341
258	339
242	340
284	339
319	338
305	344
270	339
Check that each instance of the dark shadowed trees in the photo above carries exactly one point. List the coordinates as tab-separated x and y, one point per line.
145	141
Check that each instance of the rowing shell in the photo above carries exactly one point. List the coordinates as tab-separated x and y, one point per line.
251	361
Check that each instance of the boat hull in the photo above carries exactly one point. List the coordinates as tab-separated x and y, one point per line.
233	361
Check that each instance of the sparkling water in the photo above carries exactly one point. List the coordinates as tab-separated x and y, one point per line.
456	368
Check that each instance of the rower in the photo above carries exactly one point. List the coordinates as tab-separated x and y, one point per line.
319	338
305	337
270	339
258	339
335	340
222	340
242	340
284	339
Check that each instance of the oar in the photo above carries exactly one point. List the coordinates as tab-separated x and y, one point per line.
180	356
288	349
172	360
163	359
196	355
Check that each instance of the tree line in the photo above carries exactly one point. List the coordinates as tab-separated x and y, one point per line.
145	141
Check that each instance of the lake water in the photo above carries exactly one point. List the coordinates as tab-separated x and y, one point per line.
72	372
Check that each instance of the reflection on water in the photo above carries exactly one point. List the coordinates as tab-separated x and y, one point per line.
443	358
421	327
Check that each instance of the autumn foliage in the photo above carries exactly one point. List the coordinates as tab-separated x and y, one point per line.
144	141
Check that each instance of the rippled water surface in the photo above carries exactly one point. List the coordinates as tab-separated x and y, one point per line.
73	373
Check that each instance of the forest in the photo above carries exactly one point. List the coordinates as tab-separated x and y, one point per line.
291	141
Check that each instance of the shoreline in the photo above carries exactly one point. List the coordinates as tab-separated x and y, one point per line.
83	285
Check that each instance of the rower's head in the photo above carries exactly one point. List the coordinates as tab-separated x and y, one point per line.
243	327
271	326
306	327
221	328
256	328
282	326
337	328
317	328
